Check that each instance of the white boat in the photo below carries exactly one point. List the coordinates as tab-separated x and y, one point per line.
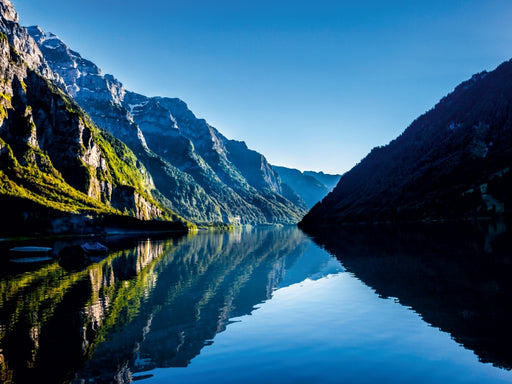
94	248
31	249
31	259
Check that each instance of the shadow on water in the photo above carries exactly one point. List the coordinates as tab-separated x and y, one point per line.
457	277
153	303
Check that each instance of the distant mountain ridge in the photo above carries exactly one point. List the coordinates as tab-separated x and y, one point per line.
197	172
329	180
452	162
309	185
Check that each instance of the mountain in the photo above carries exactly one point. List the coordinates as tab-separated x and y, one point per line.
308	184
240	181
198	172
54	162
330	181
452	162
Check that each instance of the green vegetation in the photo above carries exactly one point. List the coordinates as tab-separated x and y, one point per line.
28	188
5	104
29	173
125	170
36	187
23	85
122	163
46	189
3	113
217	226
6	97
15	56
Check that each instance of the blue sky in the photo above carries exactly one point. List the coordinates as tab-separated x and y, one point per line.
312	85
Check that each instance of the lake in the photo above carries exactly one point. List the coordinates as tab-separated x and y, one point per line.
422	304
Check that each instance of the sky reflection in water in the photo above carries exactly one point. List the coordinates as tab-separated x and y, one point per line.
332	330
262	305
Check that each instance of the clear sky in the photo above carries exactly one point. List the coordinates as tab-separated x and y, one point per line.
310	84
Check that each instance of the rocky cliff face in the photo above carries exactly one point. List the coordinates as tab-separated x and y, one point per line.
239	180
23	44
50	151
100	96
196	170
452	162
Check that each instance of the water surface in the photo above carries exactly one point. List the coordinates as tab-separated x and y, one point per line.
264	305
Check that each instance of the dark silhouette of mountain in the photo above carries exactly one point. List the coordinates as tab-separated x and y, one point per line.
455	276
452	162
197	172
307	185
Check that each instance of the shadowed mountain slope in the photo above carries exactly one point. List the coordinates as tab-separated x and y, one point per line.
452	162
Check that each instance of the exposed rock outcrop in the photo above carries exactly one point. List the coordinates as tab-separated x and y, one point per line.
197	171
51	153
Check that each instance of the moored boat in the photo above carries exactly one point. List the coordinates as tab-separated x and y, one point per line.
94	248
27	260
31	249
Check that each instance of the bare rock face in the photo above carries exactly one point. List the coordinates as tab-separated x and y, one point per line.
130	200
82	77
232	160
100	96
241	180
197	171
7	11
50	150
24	45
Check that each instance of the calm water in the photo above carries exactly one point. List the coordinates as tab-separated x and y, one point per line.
422	305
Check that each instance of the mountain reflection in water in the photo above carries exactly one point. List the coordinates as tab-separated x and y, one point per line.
191	301
456	276
156	304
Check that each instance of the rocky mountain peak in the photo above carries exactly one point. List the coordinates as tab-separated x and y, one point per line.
54	162
25	48
101	96
198	171
49	40
84	80
67	63
7	11
178	107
